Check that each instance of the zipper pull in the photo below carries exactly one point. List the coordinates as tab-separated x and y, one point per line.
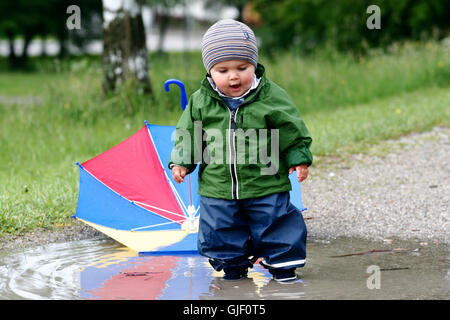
233	115
233	120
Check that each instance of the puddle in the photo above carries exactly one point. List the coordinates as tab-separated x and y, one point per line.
104	269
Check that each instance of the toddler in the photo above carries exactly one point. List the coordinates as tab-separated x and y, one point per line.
248	136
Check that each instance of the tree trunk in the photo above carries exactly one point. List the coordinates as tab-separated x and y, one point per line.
62	37
125	56
12	53
164	19
18	61
27	39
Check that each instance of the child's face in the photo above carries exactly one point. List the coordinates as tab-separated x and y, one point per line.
233	77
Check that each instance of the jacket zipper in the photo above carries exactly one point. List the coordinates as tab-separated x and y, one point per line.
232	128
234	179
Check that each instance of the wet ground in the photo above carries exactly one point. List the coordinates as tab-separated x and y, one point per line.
335	269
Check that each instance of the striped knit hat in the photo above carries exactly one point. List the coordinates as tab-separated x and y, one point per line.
229	39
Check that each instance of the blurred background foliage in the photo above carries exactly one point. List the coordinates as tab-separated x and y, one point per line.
298	25
308	24
30	19
353	86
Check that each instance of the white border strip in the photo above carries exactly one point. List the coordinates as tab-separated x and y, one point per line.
283	264
230	154
235	155
285	279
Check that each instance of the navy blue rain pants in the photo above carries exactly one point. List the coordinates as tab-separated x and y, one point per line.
270	227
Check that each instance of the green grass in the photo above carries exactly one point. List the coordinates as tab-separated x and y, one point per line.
346	104
351	129
337	80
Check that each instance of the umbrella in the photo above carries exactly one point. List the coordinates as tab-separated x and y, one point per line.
128	193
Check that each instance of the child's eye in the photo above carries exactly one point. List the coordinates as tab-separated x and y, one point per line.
242	68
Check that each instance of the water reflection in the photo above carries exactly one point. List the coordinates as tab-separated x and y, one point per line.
124	275
148	277
103	269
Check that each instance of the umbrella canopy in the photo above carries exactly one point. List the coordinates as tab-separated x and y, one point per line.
128	193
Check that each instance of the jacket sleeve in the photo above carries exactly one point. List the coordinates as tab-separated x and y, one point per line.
183	152
294	137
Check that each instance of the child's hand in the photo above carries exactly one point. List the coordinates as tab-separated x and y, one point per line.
302	171
178	173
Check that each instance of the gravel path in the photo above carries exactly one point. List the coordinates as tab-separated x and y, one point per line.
401	189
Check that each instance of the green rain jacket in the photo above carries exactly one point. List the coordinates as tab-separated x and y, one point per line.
243	153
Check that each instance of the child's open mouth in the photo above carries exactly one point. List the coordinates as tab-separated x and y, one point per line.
236	87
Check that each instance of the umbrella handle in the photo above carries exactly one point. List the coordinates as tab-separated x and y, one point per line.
184	100
184	103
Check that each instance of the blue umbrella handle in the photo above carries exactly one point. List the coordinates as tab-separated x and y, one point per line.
184	103
184	100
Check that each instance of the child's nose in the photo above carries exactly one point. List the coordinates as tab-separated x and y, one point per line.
234	75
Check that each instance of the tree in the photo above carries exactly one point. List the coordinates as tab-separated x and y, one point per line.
125	56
